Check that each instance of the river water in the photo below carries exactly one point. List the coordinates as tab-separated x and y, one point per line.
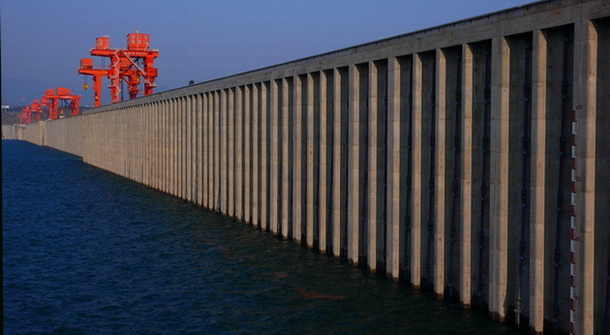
88	252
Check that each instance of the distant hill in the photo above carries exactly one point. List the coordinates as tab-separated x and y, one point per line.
11	116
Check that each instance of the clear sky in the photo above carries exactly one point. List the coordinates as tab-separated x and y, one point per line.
43	41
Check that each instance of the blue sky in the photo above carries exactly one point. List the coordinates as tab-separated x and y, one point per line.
43	41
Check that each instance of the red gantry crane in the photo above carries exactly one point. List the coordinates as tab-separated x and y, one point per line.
32	112
26	115
86	67
55	102
61	95
134	65
36	110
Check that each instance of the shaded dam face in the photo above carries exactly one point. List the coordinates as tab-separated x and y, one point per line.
469	159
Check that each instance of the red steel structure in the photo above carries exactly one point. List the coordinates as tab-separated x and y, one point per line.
36	110
55	101
134	65
46	101
61	94
86	67
32	112
26	115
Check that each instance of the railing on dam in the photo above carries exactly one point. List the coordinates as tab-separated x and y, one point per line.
470	159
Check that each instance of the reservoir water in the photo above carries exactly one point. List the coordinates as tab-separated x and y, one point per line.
88	252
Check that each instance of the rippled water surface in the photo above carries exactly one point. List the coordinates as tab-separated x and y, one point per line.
88	252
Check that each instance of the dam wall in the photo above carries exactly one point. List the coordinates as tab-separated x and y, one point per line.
13	132
469	159
35	132
65	134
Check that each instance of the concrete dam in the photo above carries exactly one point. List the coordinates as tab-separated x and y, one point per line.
470	159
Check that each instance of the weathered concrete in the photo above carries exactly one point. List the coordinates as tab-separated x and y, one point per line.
438	157
13	132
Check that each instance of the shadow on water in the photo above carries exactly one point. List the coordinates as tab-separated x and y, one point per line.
88	252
